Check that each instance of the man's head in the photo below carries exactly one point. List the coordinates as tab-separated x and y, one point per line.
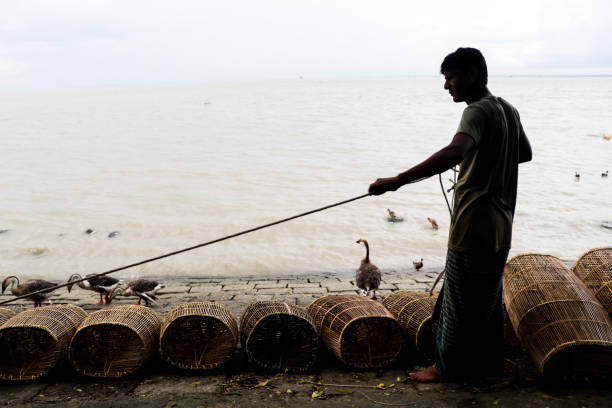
465	74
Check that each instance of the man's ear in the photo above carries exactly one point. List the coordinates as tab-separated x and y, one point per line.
472	74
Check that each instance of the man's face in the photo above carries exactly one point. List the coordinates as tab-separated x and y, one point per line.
458	84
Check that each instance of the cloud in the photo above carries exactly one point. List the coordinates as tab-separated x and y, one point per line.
9	67
77	43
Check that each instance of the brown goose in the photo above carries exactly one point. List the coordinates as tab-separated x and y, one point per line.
393	217
104	285
29	286
434	223
367	277
143	288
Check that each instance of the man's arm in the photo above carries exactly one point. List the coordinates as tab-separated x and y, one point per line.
525	153
438	162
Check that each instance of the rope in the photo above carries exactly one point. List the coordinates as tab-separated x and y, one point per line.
180	251
454	183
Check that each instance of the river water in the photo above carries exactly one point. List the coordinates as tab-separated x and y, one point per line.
172	166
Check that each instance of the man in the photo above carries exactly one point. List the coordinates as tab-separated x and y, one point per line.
489	144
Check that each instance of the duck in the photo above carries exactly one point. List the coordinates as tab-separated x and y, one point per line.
576	176
604	174
418	264
104	285
367	277
29	286
392	217
434	223
145	289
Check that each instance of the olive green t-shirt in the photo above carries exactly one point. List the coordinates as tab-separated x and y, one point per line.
485	194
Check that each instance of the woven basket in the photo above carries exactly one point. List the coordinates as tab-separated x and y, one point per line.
413	311
5	314
557	319
34	341
114	341
359	331
594	268
278	336
198	335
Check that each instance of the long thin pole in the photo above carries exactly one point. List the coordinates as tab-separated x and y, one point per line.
180	251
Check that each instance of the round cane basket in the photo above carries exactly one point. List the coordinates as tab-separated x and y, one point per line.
359	331
557	319
5	314
35	341
198	335
413	311
114	341
278	336
594	268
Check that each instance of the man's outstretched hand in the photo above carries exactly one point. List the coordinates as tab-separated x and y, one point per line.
382	185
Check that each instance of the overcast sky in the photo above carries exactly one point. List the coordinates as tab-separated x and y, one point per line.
75	43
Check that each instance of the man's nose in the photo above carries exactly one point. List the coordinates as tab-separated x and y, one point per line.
446	86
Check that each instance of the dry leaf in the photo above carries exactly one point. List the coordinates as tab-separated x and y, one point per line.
262	383
317	394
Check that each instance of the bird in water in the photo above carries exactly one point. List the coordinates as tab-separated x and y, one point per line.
434	223
393	217
418	264
29	286
367	277
104	285
604	174
576	176
143	288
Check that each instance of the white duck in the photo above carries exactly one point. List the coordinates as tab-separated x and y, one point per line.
104	285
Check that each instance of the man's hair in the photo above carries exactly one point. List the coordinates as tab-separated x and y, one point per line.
463	60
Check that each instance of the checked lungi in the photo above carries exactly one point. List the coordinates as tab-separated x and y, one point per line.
469	316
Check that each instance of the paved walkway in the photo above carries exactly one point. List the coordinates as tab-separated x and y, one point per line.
330	385
237	293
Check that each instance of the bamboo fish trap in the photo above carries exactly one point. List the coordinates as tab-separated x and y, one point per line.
413	311
114	341
278	336
594	268
198	335
36	340
558	321
5	314
359	331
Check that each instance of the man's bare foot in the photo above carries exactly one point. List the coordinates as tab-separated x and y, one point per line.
430	374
